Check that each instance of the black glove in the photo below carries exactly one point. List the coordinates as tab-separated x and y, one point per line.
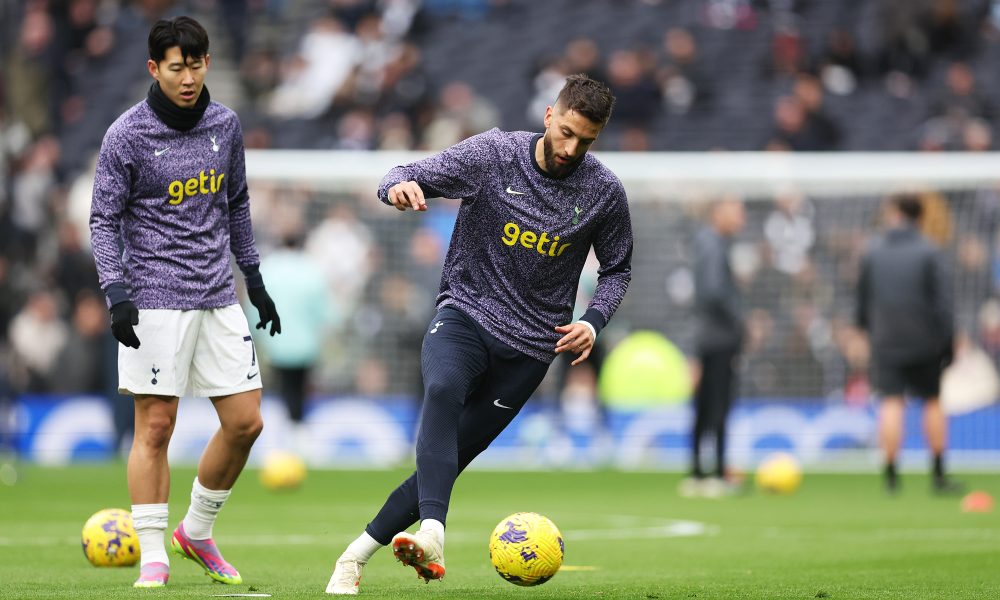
265	308
123	316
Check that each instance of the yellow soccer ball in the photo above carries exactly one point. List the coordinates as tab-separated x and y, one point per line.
780	473
109	539
526	549
282	471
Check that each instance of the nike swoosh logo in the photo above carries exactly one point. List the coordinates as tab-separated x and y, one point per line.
511	190
160	152
497	403
252	375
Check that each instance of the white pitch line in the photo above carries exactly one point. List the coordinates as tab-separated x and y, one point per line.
668	529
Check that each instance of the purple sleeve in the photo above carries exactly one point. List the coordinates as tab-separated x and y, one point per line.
241	240
112	182
613	248
455	172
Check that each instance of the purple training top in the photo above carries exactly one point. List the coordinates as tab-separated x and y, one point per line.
522	237
178	201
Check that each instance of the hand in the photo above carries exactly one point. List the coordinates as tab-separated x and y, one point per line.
123	316
577	338
407	195
265	308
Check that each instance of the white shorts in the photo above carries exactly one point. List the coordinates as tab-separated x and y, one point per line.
205	353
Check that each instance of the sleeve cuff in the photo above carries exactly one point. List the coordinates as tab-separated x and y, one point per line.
116	293
594	319
251	273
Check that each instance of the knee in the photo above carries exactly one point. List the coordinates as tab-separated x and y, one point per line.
245	431
156	435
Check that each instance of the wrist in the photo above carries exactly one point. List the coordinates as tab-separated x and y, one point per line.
252	276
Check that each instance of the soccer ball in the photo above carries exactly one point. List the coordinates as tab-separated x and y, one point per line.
526	549
282	471
779	473
109	539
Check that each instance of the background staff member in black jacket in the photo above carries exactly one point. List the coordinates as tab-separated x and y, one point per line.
719	339
905	304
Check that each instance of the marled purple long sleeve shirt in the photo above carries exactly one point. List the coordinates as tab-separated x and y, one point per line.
521	237
178	202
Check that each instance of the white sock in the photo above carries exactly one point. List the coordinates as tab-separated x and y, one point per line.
150	521
364	547
435	527
205	506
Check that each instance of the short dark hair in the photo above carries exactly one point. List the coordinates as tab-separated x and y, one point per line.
588	97
184	32
909	205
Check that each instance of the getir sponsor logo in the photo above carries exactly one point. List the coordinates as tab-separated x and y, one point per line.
200	185
541	243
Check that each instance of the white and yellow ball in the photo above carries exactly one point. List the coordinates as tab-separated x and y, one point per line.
526	549
779	473
109	539
282	471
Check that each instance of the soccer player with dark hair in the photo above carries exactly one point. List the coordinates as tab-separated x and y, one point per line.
904	302
170	190
532	207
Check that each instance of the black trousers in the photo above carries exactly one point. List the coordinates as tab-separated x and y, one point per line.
292	383
474	386
712	400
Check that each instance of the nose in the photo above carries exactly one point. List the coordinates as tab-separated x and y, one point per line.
188	77
571	147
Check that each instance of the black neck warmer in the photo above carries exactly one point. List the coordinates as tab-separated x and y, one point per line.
175	117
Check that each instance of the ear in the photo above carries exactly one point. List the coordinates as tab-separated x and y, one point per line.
547	121
208	59
153	68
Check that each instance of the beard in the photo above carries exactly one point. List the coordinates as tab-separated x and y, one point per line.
551	166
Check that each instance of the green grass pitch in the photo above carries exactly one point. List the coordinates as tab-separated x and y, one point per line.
628	535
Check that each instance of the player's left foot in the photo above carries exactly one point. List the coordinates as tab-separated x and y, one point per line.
945	486
206	554
422	552
346	575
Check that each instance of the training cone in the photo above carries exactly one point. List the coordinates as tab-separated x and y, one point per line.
977	502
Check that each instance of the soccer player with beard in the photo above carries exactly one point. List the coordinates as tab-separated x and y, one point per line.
170	189
533	205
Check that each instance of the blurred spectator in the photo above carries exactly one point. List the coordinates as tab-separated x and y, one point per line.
81	360
343	245
818	124
29	71
790	232
33	183
961	100
682	83
841	66
462	113
74	269
37	337
794	129
313	77
637	97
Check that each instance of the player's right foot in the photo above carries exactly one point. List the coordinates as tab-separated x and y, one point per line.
422	552
152	575
206	554
346	575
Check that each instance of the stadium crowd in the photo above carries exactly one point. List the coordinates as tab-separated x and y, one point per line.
779	75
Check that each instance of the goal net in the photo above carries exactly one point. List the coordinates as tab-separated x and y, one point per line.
809	218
